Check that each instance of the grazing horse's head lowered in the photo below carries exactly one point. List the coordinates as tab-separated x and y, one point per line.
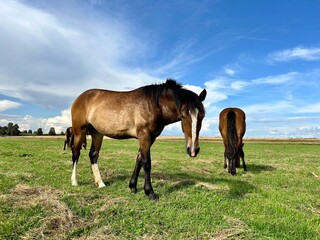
141	113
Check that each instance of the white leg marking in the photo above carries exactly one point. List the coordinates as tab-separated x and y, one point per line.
194	123
97	176
74	181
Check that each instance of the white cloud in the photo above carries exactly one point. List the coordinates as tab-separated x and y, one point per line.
303	53
7	104
229	71
263	109
27	122
239	85
309	108
47	58
276	79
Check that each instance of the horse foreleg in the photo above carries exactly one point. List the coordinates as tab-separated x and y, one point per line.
95	169
241	153
97	176
148	189
135	174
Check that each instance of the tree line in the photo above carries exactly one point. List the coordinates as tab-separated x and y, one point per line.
13	130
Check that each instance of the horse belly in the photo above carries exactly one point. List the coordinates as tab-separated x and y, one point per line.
114	126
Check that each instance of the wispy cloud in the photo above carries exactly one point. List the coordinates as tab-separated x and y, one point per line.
276	79
300	52
7	104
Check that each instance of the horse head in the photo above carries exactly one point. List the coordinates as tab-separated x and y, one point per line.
192	112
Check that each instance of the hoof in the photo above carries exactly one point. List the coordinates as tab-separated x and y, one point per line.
101	185
74	183
153	196
134	190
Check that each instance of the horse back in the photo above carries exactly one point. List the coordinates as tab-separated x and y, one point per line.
111	113
234	117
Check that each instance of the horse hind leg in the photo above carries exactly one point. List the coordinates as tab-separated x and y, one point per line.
135	174
75	142
75	158
94	155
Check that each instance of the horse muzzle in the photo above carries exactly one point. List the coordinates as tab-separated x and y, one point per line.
193	153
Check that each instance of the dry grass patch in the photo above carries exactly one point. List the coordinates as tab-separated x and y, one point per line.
213	187
110	202
238	230
59	218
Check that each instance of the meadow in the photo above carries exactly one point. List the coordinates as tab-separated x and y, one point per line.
277	198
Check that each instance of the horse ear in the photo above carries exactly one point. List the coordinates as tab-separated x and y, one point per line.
202	95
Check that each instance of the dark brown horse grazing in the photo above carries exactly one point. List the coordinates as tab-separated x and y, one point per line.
68	139
141	113
232	126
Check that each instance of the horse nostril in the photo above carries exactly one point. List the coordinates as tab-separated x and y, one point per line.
189	151
197	151
193	154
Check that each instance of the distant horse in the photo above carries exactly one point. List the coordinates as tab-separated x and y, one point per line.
68	139
232	126
141	113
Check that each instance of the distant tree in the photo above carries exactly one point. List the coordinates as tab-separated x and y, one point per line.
52	131
3	130
30	131
62	133
10	129
39	132
15	130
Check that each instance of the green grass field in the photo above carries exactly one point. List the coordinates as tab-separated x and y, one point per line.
277	198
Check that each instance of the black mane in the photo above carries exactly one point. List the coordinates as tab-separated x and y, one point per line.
155	91
181	95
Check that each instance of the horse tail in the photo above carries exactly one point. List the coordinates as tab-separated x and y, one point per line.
232	133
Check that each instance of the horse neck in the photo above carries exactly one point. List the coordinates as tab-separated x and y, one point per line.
171	112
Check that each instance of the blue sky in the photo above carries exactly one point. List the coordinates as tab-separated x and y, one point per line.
261	56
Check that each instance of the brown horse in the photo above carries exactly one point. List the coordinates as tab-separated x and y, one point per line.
68	139
232	127
141	113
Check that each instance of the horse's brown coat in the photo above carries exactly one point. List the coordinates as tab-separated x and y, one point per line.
232	127
141	113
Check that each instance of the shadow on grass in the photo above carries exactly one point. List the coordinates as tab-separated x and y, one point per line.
256	168
230	186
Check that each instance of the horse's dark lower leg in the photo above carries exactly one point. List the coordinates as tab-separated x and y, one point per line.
225	160
65	143
237	161
243	162
135	174
232	166
148	189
